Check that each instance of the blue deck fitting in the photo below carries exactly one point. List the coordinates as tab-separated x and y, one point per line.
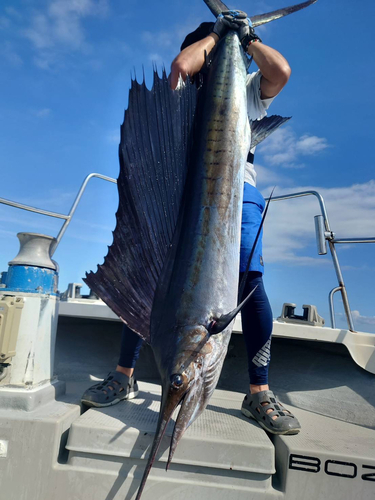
31	279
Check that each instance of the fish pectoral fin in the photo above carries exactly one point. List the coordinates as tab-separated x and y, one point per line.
261	129
221	324
154	153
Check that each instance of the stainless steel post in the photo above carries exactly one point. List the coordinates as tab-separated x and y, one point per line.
330	237
331	305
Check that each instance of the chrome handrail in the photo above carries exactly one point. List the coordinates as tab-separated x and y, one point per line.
306	193
64	227
67	217
354	240
330	237
32	209
332	310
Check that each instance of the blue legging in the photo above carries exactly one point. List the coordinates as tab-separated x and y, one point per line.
257	323
256	327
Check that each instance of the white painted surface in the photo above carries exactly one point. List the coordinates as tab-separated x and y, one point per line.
35	349
3	448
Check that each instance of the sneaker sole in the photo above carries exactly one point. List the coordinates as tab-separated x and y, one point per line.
131	395
289	432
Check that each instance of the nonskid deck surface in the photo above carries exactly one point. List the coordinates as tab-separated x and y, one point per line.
213	454
225	452
223	455
221	438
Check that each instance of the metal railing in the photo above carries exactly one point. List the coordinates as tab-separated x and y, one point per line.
67	217
322	227
324	234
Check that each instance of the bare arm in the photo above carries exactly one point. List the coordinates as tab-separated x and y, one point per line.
273	66
190	60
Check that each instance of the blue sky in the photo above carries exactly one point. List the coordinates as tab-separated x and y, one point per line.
66	67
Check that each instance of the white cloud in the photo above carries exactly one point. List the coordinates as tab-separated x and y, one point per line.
284	148
167	43
41	32
310	144
156	58
361	323
161	39
60	28
363	320
266	176
289	229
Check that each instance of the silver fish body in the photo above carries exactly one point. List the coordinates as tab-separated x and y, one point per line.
203	283
202	278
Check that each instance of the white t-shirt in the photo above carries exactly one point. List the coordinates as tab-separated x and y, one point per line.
256	110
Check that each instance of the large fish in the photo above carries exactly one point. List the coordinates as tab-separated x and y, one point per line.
171	273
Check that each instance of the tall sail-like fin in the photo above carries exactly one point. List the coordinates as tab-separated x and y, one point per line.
154	155
261	129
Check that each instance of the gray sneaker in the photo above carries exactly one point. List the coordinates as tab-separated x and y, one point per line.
256	406
115	387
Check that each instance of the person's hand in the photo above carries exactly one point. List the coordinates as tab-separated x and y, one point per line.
246	32
223	25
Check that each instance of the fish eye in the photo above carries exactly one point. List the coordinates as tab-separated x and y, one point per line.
177	381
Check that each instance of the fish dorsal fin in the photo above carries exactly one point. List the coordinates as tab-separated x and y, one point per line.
154	155
260	129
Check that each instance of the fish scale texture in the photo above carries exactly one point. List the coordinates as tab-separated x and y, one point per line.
154	154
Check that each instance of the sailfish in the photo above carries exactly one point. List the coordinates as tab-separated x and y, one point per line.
171	273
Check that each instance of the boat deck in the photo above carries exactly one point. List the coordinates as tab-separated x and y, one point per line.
63	452
319	377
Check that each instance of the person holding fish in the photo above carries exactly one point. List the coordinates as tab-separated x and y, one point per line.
261	87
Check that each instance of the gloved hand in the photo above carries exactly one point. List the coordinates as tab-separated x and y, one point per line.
223	25
246	32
